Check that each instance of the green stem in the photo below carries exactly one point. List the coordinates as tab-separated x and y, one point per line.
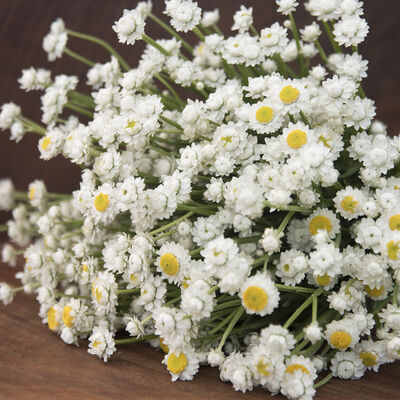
235	318
79	110
334	44
128	291
171	122
314	309
254	30
285	221
198	33
166	27
103	44
153	43
36	127
171	89
135	340
220	325
323	381
74	296
298	45
166	234
286	208
322	53
171	224
299	289
217	30
302	307
78	57
395	294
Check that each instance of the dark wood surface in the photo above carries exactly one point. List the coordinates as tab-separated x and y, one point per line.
34	363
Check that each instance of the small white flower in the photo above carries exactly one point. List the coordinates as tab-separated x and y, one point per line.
185	14
130	27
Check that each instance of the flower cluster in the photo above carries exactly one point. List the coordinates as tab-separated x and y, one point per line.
253	226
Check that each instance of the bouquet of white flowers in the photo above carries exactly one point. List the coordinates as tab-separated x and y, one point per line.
250	221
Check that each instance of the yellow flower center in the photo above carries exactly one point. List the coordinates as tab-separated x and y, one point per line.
185	282
226	139
286	267
98	295
133	278
325	141
96	343
375	292
296	138
368	358
393	250
200	48
323	280
295	367
31	194
349	204
169	264
264	115
320	222
177	364
85	268
163	346
394	222
52	319
289	94
67	318
45	143
340	340
262	368
131	124
255	298
101	202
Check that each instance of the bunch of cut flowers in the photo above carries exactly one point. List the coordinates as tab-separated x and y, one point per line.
249	221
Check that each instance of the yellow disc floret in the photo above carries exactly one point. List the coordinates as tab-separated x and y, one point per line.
68	319
323	280
101	202
262	368
169	264
31	194
131	124
296	138
368	358
52	319
264	115
177	364
374	292
394	222
349	204
296	367
45	143
393	250
255	298
340	340
289	94
320	222
163	346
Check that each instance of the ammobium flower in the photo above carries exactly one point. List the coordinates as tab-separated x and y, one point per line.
342	334
182	365
259	294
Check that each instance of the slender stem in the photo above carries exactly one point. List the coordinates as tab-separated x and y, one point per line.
323	381
171	224
395	294
128	291
103	44
314	309
198	33
334	44
135	340
286	208
322	53
266	263
220	325
78	57
153	43
285	221
166	234
171	89
74	296
302	307
37	128
166	27
235	318
299	289
79	110
254	30
298	45
217	30
171	122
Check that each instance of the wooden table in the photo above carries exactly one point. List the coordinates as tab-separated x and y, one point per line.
36	364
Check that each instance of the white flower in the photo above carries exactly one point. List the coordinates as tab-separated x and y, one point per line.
210	18
55	41
130	27
286	6
259	294
271	240
6	194
182	365
342	334
351	30
10	113
6	293
101	343
35	79
346	365
185	14
243	19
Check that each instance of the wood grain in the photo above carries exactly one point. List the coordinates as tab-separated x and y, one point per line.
34	363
